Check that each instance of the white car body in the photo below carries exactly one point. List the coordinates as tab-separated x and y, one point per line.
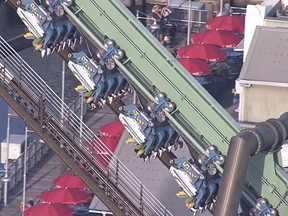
31	22
133	127
184	180
81	73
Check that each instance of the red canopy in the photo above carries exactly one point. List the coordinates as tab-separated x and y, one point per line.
110	142
227	23
98	148
49	209
207	52
220	38
196	67
101	155
68	196
112	129
69	180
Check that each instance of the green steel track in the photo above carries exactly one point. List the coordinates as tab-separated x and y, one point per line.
151	68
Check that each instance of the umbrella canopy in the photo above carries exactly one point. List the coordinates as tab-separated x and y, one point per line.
196	67
220	38
68	196
49	209
69	180
227	23
98	148
112	129
110	142
207	52
102	156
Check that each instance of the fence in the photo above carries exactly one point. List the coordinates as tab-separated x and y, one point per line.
35	152
79	144
75	105
198	17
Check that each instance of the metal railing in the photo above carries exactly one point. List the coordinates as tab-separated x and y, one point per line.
86	149
35	152
75	106
180	17
198	17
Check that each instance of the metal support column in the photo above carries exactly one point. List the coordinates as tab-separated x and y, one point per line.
6	179
63	88
266	137
25	168
189	24
81	115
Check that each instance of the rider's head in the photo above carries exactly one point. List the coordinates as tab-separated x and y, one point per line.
156	8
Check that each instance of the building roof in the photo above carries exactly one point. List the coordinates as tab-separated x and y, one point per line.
15	139
267	57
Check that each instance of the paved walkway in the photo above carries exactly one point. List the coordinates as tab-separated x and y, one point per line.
39	179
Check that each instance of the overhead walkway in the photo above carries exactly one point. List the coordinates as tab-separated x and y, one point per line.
71	139
150	69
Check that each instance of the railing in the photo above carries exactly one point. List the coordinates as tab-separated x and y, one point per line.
75	105
238	11
35	152
198	17
180	17
86	149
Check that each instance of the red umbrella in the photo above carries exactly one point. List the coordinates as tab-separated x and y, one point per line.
69	180
112	129
207	52
196	67
98	148
219	38
101	155
227	23
110	142
68	196
49	209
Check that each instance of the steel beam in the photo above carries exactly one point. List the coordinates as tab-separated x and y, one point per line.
266	137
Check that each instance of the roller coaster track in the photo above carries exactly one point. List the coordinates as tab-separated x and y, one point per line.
58	126
150	69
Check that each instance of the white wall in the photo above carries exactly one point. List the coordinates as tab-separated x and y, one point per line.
255	15
260	103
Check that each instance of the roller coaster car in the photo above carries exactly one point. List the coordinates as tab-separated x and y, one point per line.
158	106
34	16
85	69
49	34
109	52
158	139
56	6
136	123
198	190
187	175
209	160
263	208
